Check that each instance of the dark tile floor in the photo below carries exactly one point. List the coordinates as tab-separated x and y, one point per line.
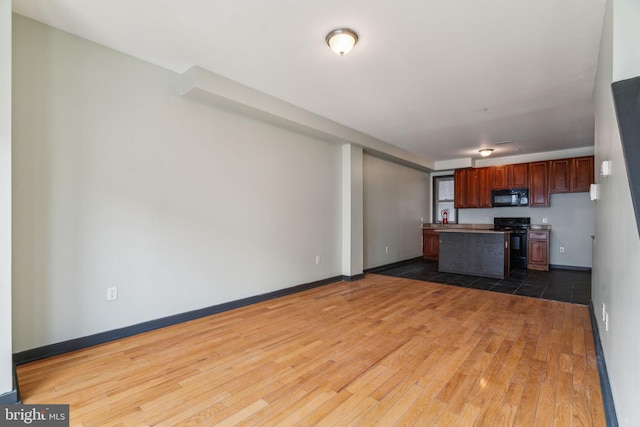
558	285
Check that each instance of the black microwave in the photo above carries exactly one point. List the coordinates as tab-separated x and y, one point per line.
511	197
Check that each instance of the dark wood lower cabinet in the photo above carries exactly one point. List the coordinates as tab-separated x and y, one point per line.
430	244
538	250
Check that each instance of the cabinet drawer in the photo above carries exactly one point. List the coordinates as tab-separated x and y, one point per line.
538	235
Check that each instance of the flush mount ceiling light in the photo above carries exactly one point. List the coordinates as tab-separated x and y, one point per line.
342	40
486	152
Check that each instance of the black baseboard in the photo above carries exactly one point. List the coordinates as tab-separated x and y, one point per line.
353	278
605	385
569	267
392	265
103	337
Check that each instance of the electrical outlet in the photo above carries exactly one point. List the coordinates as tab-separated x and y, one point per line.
545	220
112	293
561	249
317	259
386	249
486	220
606	322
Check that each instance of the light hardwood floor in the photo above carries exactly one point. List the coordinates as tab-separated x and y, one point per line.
379	351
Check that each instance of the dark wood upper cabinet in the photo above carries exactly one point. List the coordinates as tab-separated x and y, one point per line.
582	176
473	185
560	176
500	177
519	175
539	184
573	175
459	186
472	188
466	188
511	176
485	183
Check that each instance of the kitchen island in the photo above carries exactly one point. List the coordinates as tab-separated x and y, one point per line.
478	252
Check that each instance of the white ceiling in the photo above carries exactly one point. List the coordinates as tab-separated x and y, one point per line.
441	79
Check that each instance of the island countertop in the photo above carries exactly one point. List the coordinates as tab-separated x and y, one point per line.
462	228
471	230
439	226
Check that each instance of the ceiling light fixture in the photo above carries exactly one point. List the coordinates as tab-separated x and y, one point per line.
342	40
486	152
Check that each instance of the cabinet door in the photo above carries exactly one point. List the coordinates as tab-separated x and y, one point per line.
485	183
539	184
500	177
459	183
538	251
519	175
582	176
430	244
472	188
560	176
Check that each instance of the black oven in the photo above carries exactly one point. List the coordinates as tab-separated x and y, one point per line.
517	238
518	241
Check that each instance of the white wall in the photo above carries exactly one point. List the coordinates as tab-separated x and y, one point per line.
396	199
6	381
119	181
572	220
616	265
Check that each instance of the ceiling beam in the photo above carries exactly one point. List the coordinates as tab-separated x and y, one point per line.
202	84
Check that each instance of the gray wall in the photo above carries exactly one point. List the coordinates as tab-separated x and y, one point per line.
119	181
396	199
616	265
6	382
572	220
